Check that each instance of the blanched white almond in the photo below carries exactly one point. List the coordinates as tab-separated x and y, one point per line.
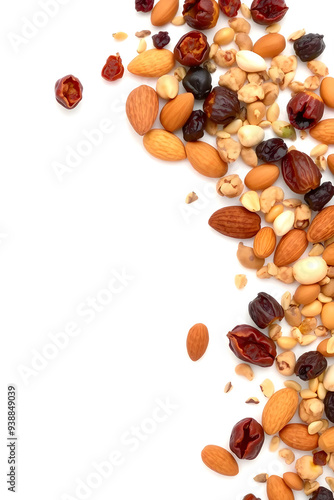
284	222
250	62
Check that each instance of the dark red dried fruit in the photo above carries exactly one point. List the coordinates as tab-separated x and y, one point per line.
192	49
305	110
322	494
320	458
252	346
309	46
161	39
113	68
271	150
222	105
201	14
268	11
68	91
300	172
230	7
193	130
319	197
250	497
247	439
329	405
264	310
144	5
310	365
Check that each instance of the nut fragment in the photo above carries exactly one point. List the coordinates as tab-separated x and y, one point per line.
142	46
269	197
245	11
240	281
143	33
274	444
310	487
250	93
284	130
229	150
330	482
233	79
286	362
244	370
273	28
285	274
286	300
312	83
243	41
285	63
303	216
296	35
225	58
318	68
251	201
274	212
253	401
239	25
178	21
297	87
311	410
167	87
120	36
267	387
317	249
307	394
273	112
271	91
306	469
275	331
287	455
292	384
249	157
191	197
261	478
250	135
228	387
233	127
230	186
180	73
256	111
286	343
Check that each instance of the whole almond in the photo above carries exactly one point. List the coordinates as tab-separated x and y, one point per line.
264	243
292	246
328	255
164	145
236	222
326	440
152	63
197	341
324	131
205	159
270	45
164	12
177	111
322	226
327	91
142	107
292	480
279	410
262	177
220	460
296	436
305	294
277	489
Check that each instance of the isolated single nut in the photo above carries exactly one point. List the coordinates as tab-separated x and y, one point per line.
287	455
286	362
274	443
284	130
318	68
296	35
247	257
307	470
267	388
230	186
310	270
244	370
167	87
292	480
240	281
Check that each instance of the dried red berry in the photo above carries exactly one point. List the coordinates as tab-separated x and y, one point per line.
310	365
113	68
144	5
300	172
250	496
230	7
305	110
268	11
247	439
252	346
192	49
320	458
161	39
201	14
68	91
264	310
222	105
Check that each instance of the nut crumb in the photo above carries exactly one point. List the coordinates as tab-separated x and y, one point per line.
191	197
240	281
261	478
274	444
252	401
120	36
296	35
228	387
143	33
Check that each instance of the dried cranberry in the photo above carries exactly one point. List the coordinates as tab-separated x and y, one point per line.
222	105
230	7
271	150
319	197
198	81
144	5
193	130
161	39
310	365
268	11
329	405
201	14
322	494
305	110
250	497
113	68
264	310
192	49
68	91
247	439
320	458
300	172
252	346
309	47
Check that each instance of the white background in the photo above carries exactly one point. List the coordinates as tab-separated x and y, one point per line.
118	210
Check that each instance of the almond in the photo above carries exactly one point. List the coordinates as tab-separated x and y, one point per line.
142	107
322	226
197	341
205	159
220	460
236	222
327	91
326	440
164	145
292	480
164	12
270	45
278	490
292	246
324	131
328	255
152	63
279	410
262	177
264	243
305	294
322	348
177	111
296	436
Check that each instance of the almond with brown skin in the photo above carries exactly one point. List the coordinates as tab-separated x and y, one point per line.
205	159
322	226
177	111
152	63
328	255
270	45
324	131
164	12
264	243
290	248
279	410
296	436
277	489
236	222
326	440
220	460
262	177
197	341
164	145
142	107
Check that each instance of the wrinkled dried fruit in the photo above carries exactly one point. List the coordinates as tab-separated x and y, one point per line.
198	81
247	439
193	130
192	49
144	5
305	110
250	496
320	458
252	346
322	494
329	405
222	105
319	197
309	46
68	91
300	172
271	150
310	365
268	11
161	39
264	310
113	68
201	14
230	7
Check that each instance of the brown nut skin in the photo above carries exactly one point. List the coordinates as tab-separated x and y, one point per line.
192	49
252	346
305	110
247	438
201	14
264	310
250	496
222	105
268	12
300	172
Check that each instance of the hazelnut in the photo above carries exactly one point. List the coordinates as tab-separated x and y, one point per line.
311	410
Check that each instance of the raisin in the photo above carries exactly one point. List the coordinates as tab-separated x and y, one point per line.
247	439
144	5
322	494
320	458
222	105
161	39
271	150
193	130
230	7
68	91
319	197
113	68
329	405
310	365
305	110
264	310
198	81
309	47
252	346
